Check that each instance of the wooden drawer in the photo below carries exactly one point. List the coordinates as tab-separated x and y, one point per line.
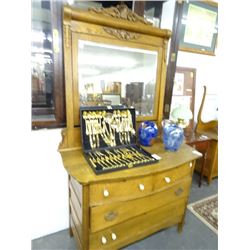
110	214
103	193
139	227
171	177
76	224
74	202
77	187
76	236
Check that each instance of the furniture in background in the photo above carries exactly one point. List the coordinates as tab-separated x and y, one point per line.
112	210
201	143
134	95
209	129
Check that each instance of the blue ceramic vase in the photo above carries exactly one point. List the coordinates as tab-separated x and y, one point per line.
147	131
173	135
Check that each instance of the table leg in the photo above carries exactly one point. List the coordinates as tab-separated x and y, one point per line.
203	167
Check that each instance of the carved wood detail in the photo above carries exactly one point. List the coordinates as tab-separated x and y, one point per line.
121	34
121	11
64	139
67	35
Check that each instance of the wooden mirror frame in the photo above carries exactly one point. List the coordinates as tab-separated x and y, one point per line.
119	26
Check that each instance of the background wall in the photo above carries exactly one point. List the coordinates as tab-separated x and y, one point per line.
206	74
49	192
206	69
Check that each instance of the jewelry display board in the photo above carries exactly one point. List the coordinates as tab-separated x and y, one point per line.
109	139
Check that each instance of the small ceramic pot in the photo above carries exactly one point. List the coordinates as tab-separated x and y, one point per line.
173	135
147	131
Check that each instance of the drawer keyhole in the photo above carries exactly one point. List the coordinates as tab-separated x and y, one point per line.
110	215
179	191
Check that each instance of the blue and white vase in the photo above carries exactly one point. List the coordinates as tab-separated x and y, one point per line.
173	135
147	131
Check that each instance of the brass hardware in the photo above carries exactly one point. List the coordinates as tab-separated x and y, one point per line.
190	164
179	191
110	216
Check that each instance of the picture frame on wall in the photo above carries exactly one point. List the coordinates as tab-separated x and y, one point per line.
199	28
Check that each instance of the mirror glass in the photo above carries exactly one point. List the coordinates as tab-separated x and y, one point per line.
113	75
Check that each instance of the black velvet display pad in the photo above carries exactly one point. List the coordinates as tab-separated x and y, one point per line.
106	158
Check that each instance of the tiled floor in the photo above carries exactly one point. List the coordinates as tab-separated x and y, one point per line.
195	235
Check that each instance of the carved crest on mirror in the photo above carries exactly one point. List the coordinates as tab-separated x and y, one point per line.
121	34
121	11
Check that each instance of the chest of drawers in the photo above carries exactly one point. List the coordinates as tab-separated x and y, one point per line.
113	210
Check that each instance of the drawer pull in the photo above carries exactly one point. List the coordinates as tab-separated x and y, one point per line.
167	179
105	193
110	216
179	191
141	187
113	236
104	240
190	164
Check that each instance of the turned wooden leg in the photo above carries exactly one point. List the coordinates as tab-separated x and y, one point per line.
209	180
181	223
203	167
180	227
70	232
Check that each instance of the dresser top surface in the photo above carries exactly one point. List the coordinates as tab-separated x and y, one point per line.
76	165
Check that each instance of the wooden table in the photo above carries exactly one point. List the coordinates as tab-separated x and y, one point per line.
201	143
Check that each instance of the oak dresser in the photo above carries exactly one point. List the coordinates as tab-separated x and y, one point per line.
113	210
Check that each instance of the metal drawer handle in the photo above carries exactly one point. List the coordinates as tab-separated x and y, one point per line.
113	236
141	187
104	240
167	179
105	193
179	191
110	215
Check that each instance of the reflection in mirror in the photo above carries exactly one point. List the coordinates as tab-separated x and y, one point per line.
42	62
113	75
